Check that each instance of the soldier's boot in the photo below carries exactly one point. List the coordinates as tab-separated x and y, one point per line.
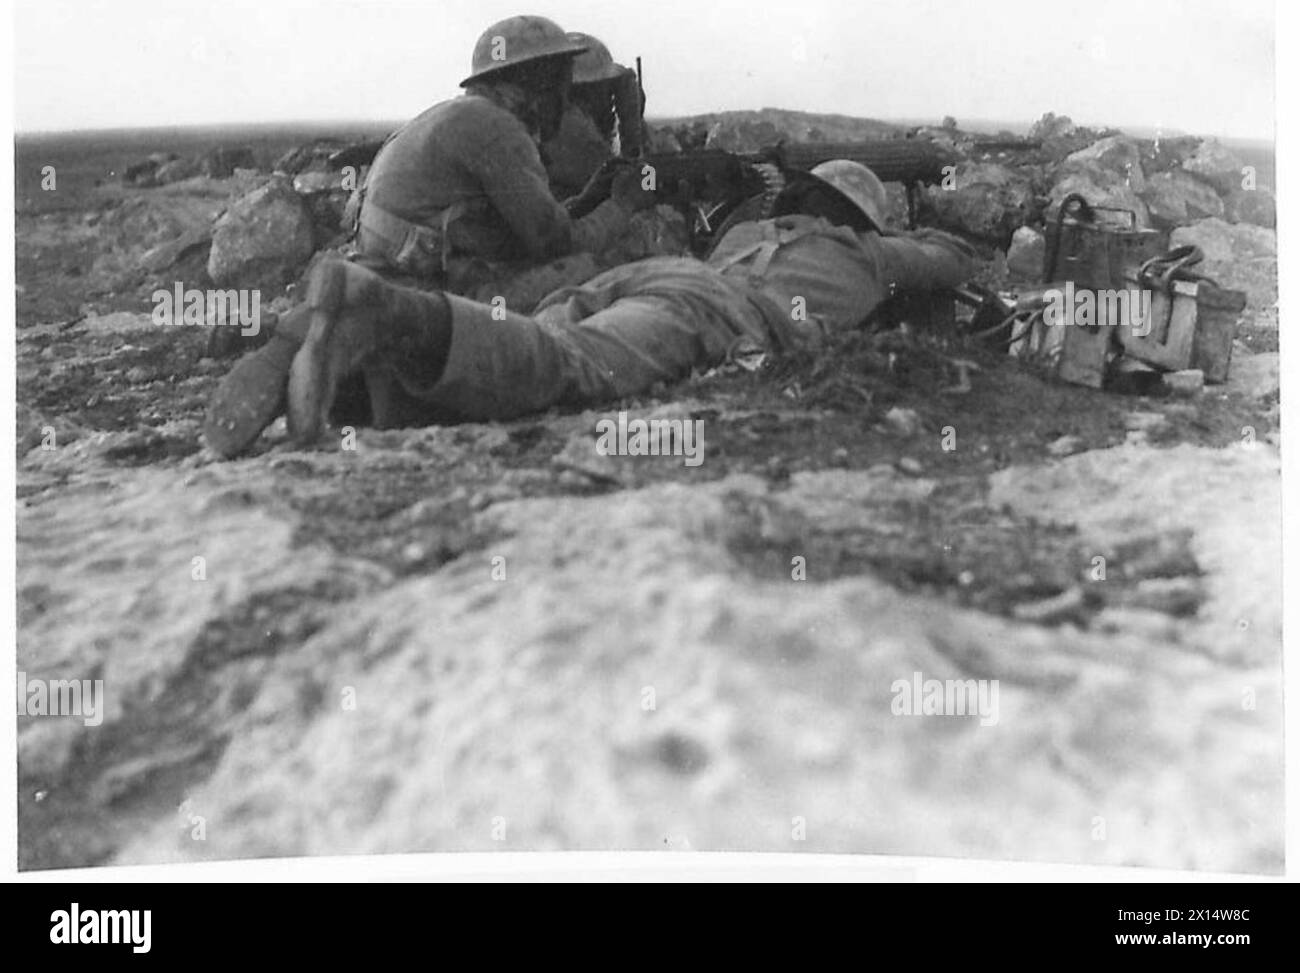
253	393
358	318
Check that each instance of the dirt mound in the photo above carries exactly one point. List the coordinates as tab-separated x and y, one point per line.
313	705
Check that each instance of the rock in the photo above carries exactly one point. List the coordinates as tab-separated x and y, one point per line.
1223	242
31	427
1065	446
120	322
327	201
1161	155
1150	626
1026	254
1217	165
169	252
1145	421
1067	606
910	466
1118	154
902	422
328	219
1060	136
149	233
176	171
988	201
144	174
1189	381
1050	126
222	162
316	181
1241	256
1170	596
1159	554
1100	187
263	240
1257	206
139	375
1177	197
312	156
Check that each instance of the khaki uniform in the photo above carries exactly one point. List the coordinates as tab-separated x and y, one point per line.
575	153
771	284
459	199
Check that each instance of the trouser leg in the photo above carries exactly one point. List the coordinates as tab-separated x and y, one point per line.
627	330
521	288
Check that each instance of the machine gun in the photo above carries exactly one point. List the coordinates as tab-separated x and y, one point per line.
711	186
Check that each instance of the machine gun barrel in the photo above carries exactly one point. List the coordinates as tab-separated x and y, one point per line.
908	161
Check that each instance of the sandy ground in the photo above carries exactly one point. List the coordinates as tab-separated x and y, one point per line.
490	637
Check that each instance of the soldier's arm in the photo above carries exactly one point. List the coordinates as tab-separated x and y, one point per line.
512	177
926	260
515	182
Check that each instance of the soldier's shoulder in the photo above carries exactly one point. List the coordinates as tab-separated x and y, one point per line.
477	110
467	113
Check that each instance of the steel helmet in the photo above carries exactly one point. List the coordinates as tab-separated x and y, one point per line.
518	40
595	64
859	185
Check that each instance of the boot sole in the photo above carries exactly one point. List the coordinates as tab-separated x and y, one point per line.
310	381
248	399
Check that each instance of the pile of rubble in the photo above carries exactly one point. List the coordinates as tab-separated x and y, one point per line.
165	168
1002	185
281	213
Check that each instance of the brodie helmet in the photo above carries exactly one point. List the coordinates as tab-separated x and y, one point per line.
595	64
859	185
519	40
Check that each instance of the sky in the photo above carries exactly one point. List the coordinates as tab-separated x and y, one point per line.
1203	66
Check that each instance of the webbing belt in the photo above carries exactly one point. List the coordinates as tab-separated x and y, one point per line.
411	247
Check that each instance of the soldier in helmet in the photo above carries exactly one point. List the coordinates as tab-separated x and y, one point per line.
457	199
602	122
820	266
465	177
603	119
